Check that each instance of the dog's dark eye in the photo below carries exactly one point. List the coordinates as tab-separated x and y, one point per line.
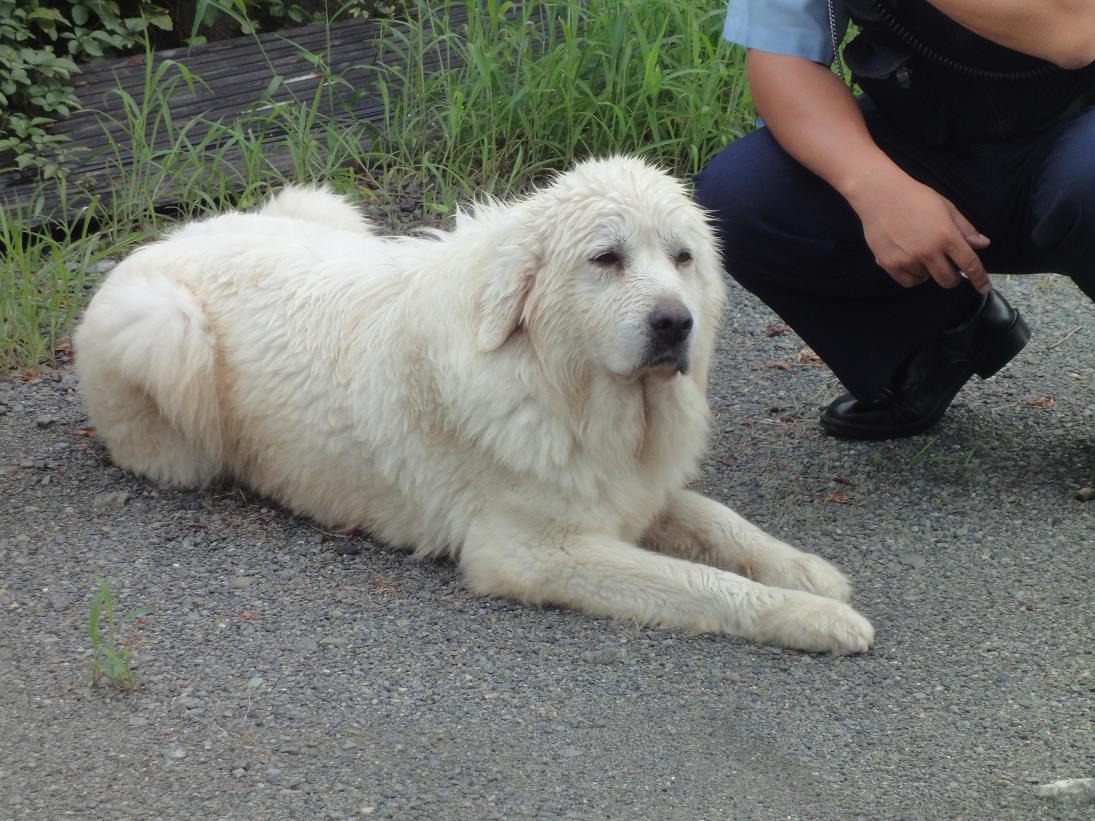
683	258
608	259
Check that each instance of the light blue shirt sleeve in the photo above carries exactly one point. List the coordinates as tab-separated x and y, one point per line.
799	28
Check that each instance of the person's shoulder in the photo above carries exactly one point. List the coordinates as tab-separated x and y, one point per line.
800	28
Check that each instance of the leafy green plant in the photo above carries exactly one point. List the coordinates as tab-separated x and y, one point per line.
35	86
110	658
41	42
253	16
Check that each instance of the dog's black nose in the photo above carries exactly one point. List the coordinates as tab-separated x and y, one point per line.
671	322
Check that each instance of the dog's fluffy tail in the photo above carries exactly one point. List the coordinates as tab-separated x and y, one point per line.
146	358
317	204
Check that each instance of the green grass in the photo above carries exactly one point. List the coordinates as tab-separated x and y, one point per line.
531	89
550	82
110	657
44	282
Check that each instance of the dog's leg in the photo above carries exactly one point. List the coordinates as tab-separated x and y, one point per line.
606	577
696	528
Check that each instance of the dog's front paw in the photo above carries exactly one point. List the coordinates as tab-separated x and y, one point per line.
803	571
819	625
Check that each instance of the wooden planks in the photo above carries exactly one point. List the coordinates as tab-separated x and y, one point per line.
234	77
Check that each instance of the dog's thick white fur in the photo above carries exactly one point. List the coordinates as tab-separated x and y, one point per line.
525	393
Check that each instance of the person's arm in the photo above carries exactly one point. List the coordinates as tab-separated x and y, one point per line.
913	231
1061	31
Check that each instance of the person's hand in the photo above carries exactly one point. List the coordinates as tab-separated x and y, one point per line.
915	233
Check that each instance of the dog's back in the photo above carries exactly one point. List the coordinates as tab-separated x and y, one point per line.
289	354
150	350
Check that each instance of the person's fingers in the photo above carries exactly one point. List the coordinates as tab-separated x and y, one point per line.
968	264
970	234
978	277
943	272
908	277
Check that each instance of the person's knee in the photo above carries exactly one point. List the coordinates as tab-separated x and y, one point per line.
1064	232
718	187
1062	204
737	188
1064	227
773	216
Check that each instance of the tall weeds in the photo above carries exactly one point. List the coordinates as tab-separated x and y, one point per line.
531	87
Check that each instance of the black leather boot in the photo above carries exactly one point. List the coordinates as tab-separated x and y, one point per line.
925	385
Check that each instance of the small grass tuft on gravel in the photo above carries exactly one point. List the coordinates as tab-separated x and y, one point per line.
110	653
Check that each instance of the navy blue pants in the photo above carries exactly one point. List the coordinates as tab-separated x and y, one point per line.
792	240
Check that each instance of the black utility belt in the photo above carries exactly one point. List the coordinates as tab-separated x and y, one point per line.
948	107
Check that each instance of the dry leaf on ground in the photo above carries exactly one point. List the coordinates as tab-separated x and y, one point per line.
807	356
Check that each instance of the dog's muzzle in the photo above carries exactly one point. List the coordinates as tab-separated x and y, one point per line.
670	328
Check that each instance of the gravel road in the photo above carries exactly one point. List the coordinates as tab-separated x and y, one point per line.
289	673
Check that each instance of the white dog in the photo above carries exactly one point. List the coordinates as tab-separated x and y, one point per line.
525	393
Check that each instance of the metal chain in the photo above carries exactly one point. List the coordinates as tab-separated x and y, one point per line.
838	62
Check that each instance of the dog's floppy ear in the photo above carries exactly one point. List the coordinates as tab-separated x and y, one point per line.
508	281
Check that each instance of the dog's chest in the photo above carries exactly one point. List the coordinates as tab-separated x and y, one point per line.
635	493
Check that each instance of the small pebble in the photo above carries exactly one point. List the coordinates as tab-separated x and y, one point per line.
103	266
109	502
1078	791
609	655
913	560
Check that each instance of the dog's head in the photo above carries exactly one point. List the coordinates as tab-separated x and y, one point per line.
617	264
